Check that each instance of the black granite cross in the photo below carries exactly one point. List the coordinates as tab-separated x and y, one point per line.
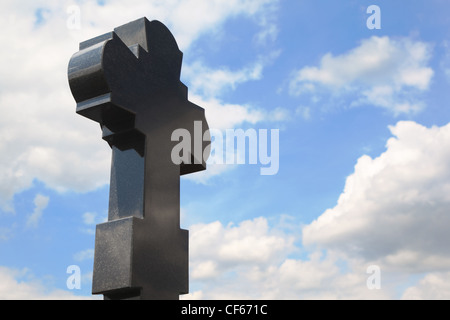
128	80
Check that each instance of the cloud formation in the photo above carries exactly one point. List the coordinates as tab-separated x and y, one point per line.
219	248
20	285
253	260
394	208
433	286
381	71
392	214
40	203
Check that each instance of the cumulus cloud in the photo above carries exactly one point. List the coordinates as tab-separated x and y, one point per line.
20	285
217	248
41	137
87	254
40	202
384	72
392	213
89	218
212	82
433	286
394	208
252	260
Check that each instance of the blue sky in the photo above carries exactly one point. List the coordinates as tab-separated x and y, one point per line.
364	135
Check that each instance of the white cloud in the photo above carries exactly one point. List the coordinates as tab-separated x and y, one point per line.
304	112
20	285
210	82
393	213
5	233
213	82
381	71
222	115
84	255
89	218
394	208
40	203
207	16
205	176
433	286
320	277
41	136
251	261
93	218
216	248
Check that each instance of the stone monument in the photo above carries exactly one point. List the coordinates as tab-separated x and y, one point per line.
128	81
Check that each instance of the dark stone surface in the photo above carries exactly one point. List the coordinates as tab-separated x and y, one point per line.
128	81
